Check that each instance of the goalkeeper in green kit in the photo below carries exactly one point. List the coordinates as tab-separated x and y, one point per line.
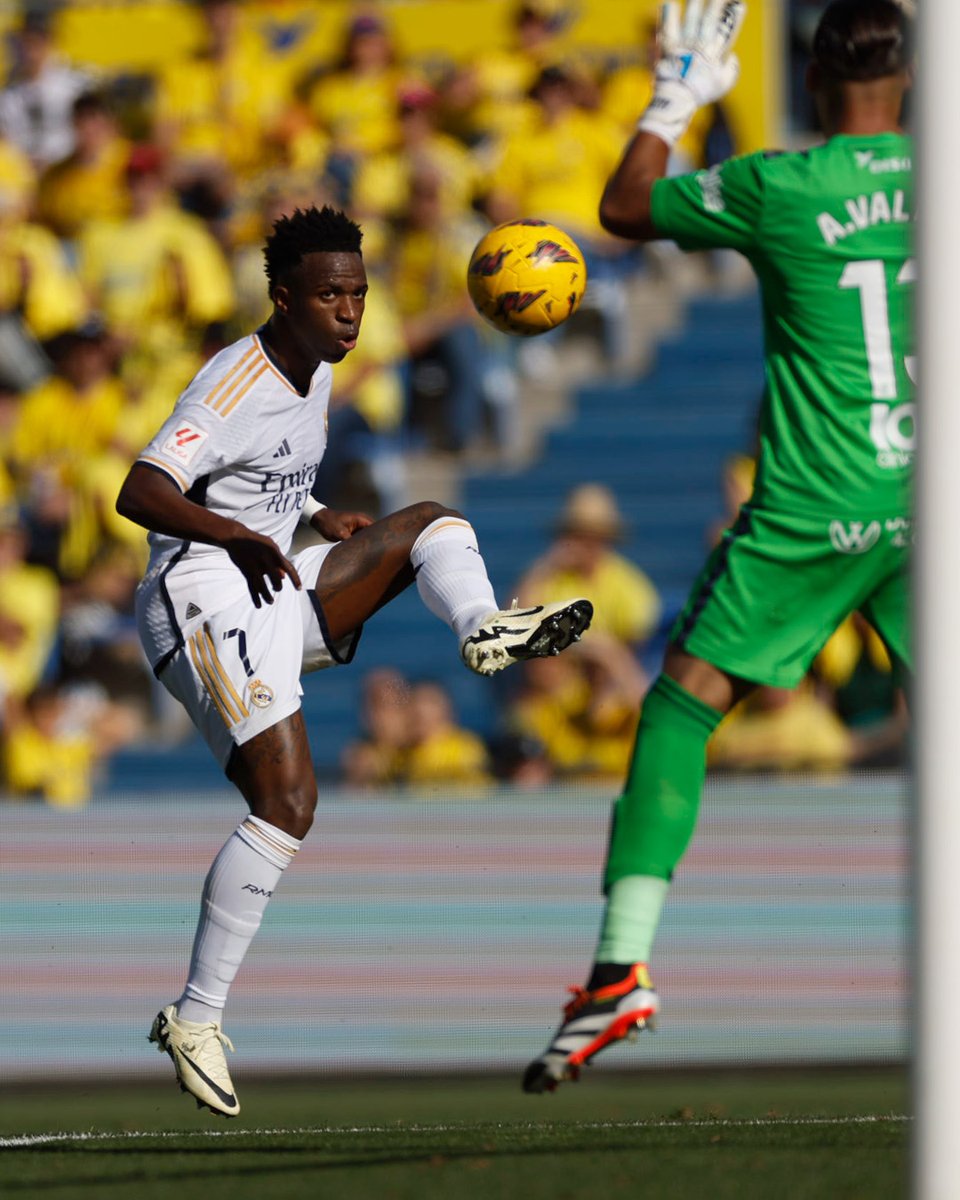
827	529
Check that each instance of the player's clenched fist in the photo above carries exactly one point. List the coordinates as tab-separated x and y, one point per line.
696	65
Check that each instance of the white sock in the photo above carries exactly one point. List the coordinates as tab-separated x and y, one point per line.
452	576
235	894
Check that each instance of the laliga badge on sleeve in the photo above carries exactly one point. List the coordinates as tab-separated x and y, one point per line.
184	442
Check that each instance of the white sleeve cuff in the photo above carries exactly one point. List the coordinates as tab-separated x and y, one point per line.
310	508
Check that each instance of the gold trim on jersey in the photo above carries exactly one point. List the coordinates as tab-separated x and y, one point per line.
221	672
251	380
201	670
215	396
279	374
165	466
217	682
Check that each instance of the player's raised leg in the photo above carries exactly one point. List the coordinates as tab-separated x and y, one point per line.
437	547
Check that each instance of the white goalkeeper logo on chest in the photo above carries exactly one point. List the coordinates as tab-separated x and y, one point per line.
854	537
184	442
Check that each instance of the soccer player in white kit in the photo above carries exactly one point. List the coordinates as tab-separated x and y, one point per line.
230	618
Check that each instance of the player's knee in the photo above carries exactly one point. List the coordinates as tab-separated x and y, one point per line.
709	684
293	809
425	512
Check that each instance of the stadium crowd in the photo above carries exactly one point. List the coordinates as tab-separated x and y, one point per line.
132	213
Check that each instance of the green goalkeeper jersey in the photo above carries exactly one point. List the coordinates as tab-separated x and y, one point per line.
828	233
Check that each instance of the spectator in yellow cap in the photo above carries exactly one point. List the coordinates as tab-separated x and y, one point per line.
582	556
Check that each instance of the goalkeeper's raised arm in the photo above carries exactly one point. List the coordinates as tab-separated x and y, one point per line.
696	67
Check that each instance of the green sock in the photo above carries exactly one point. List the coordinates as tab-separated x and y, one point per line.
654	819
631	918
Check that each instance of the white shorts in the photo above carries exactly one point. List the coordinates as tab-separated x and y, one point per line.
239	670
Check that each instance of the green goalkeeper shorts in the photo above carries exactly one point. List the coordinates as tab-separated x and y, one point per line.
777	587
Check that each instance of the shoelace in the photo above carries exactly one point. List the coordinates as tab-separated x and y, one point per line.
203	1037
581	998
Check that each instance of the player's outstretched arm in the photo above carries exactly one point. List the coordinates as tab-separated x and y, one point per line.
696	67
625	204
151	499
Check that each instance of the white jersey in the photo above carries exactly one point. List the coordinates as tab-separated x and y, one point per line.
245	444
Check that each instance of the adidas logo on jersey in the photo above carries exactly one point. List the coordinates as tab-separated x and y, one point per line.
283	449
193	611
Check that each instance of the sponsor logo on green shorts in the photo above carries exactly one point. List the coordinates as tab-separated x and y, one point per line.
854	537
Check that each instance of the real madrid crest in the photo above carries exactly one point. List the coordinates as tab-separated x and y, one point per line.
260	694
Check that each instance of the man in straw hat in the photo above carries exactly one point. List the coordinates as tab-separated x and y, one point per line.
582	556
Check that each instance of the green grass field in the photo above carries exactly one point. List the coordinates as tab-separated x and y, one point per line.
789	1135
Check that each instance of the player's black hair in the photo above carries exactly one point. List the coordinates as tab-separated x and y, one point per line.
308	231
861	40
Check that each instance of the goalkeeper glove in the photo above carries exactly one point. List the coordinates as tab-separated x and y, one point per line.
695	66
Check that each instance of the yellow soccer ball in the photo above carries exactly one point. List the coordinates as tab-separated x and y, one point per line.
526	277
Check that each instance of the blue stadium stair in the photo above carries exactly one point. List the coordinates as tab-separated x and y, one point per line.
659	441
